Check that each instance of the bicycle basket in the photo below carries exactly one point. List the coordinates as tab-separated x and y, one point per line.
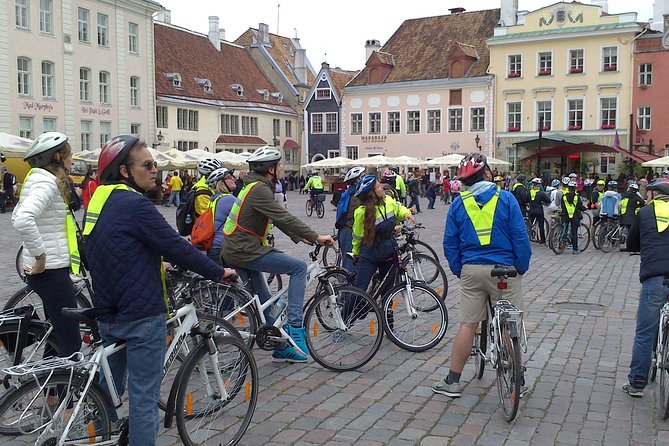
321	197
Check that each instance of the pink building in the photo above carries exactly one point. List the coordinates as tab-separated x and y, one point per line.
650	98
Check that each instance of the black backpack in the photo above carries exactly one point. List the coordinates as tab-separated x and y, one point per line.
186	211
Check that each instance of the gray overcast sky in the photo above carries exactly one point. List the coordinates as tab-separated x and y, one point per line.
336	31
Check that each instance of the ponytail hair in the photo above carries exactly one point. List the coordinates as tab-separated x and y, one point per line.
57	168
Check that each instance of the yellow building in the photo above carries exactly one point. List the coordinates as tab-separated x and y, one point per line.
568	66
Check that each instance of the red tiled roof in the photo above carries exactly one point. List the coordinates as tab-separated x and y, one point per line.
340	78
194	56
290	144
237	139
649	44
281	49
420	46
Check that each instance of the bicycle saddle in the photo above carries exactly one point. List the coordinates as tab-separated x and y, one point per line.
502	271
86	316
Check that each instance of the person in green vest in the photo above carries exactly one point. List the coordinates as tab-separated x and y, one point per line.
519	191
201	187
314	186
400	185
572	208
538	199
630	204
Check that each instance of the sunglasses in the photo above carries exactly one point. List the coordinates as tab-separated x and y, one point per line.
150	165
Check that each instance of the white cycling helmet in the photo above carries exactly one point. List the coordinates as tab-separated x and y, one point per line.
536	180
216	176
264	158
354	173
572	184
208	165
565	181
42	149
633	185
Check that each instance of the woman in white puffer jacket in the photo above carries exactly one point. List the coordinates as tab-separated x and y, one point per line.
40	218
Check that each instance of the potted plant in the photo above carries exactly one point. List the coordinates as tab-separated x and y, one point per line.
575	70
611	67
608	126
514	129
544	72
514	74
574	127
545	128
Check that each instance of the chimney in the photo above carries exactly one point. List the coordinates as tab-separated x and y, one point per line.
509	12
221	33
263	34
456	10
301	65
603	3
325	66
660	8
164	16
370	46
214	36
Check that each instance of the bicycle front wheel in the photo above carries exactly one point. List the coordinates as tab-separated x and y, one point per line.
508	372
428	270
415	319
663	371
558	242
204	415
331	256
424	248
606	234
479	348
309	208
320	209
583	237
232	306
30	409
18	262
344	331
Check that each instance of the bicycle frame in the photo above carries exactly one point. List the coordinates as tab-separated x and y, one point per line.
664	320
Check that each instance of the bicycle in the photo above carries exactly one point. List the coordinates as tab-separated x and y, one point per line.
316	204
610	234
499	341
559	236
219	368
660	361
335	341
533	230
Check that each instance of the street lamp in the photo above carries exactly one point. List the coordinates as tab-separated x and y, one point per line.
160	137
477	140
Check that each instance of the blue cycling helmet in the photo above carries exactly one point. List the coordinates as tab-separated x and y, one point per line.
366	184
555	183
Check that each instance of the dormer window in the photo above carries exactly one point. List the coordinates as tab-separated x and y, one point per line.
265	94
278	96
175	78
205	84
239	89
323	93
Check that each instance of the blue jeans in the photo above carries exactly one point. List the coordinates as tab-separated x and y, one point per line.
415	199
651	299
345	240
281	263
175	198
141	363
430	202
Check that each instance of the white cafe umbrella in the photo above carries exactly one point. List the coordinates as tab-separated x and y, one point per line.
660	162
14	144
375	161
449	160
405	161
338	161
231	159
495	162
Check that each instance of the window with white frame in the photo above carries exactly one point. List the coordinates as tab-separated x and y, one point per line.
575	114
249	125
49	125
643	118
26	127
515	65
86	128
84	84
323	93
512	156
290	156
187	119
413	121
352	152
105	87
608	107
136	129
289	129
133	38
455	120
434	121
607	164
375	123
513	116
544	115
645	74
576	58
229	124
23	69
317	123
105	132
83	18
545	67
393	122
22	14
477	119
161	117
610	58
48	73
184	146
134	91
331	123
333	153
103	25
356	124
276	128
46	16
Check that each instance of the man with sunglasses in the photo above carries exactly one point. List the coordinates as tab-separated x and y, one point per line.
127	240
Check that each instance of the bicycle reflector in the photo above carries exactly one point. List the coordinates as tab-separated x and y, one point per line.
501	285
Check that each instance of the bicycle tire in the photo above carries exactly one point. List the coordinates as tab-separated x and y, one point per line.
558	244
349	349
416	332
508	372
274	283
246	320
40	342
583	237
605	241
653	363
206	416
595	234
14	418
428	270
427	247
27	296
331	257
480	345
309	208
20	267
549	237
320	209
663	369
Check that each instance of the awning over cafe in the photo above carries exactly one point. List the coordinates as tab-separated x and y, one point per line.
572	149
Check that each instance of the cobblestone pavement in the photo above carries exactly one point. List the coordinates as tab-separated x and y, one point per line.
577	360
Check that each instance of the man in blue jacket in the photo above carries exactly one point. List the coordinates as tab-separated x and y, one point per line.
484	228
126	241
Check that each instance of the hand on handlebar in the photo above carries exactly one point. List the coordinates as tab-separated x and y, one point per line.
325	240
229	275
410	217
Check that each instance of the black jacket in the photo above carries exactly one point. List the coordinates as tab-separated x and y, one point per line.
653	246
579	206
634	202
536	205
521	195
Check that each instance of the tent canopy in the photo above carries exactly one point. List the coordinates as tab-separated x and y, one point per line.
14	144
338	161
570	149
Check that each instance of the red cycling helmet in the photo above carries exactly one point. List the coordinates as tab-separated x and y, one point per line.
659	184
114	152
389	174
471	168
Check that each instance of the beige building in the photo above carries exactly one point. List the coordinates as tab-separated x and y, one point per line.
81	67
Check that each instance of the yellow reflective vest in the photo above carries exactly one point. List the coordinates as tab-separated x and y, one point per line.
661	214
481	217
571	207
232	223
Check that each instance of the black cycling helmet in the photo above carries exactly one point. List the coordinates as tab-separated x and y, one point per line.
659	184
520	177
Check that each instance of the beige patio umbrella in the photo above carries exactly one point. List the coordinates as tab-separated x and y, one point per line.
449	160
14	144
495	162
330	163
375	161
231	159
405	160
660	162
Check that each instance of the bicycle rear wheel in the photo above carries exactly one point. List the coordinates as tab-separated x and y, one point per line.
424	248
18	262
204	416
583	237
309	208
479	348
428	270
320	209
415	319
595	234
508	371
653	363
343	349
27	296
558	243
663	370
606	234
30	409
